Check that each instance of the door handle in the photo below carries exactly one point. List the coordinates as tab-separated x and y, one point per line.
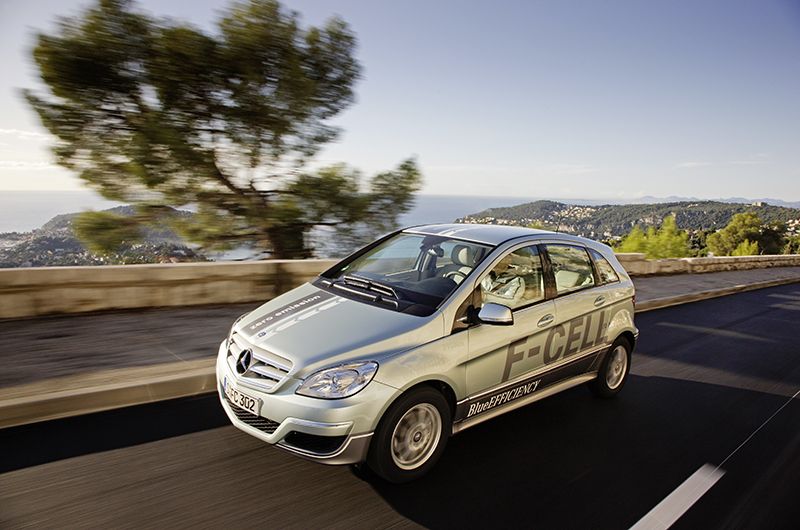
600	300
545	320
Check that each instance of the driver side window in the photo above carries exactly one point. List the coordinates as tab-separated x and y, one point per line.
516	280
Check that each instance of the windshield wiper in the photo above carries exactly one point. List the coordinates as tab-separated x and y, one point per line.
370	285
384	293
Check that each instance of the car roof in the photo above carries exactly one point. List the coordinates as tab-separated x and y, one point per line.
488	234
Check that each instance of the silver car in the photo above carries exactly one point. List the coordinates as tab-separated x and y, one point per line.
422	334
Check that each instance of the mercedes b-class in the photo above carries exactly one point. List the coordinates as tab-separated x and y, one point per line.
422	334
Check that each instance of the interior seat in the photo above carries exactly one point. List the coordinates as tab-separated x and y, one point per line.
566	280
463	260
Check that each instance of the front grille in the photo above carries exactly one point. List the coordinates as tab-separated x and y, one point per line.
267	370
262	424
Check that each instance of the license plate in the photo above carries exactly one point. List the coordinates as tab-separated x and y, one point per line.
240	399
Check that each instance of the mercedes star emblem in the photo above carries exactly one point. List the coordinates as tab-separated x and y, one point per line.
244	361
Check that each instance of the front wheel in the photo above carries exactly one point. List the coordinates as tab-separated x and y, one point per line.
614	370
411	436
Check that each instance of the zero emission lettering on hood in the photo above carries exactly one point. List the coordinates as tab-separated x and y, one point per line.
282	313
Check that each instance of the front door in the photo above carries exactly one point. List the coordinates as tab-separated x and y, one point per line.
501	356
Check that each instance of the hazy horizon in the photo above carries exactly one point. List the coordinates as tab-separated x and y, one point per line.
25	210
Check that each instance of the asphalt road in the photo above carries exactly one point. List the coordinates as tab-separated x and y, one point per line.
712	383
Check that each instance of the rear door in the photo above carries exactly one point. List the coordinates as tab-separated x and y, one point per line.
580	303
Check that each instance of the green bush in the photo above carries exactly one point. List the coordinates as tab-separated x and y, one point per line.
666	242
746	248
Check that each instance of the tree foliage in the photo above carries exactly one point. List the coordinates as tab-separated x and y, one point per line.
157	112
746	248
792	245
105	232
666	242
634	242
747	227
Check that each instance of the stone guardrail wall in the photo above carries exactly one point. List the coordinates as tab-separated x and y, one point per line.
50	290
53	290
638	265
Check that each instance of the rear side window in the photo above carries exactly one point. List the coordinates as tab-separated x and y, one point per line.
572	268
604	269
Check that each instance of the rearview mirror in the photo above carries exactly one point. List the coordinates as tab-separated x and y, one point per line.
496	315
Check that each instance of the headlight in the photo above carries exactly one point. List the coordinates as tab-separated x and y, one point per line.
339	381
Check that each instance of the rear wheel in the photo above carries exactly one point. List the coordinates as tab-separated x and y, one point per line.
411	436
614	370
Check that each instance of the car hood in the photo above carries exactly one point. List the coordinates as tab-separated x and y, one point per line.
315	328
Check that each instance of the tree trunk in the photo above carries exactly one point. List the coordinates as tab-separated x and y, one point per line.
288	242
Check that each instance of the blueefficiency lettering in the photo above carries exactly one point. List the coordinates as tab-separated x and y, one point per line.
502	398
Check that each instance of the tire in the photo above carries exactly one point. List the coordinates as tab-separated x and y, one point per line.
411	436
614	369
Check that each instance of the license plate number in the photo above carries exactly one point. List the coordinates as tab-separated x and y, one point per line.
242	400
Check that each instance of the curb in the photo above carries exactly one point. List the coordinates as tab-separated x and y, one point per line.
33	403
658	303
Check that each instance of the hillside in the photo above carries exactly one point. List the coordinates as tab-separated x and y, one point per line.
55	244
611	221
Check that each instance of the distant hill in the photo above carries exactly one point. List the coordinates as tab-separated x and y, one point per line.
616	220
162	235
735	200
55	244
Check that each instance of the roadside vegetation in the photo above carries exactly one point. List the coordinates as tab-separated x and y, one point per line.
745	235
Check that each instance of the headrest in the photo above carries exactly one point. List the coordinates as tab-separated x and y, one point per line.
463	255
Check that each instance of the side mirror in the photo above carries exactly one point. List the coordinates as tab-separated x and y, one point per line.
496	315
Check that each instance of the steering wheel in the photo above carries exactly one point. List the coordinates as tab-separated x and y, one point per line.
453	274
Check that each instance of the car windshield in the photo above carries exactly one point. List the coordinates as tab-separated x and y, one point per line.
411	273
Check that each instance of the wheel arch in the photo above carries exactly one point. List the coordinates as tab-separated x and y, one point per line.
629	336
439	385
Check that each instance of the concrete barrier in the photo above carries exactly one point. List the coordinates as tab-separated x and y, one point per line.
28	292
638	265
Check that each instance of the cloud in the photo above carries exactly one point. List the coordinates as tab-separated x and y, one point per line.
570	169
748	162
752	160
549	169
691	164
473	168
26	165
24	135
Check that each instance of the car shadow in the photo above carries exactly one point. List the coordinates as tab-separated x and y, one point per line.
575	461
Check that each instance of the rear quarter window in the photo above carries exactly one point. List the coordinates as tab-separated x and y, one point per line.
605	271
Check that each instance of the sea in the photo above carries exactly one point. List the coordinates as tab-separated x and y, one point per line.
23	211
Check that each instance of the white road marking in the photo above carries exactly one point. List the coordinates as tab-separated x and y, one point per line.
676	503
761	427
666	512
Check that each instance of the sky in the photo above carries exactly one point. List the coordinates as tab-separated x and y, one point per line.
560	99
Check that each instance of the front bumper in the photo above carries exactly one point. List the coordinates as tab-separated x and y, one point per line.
327	431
